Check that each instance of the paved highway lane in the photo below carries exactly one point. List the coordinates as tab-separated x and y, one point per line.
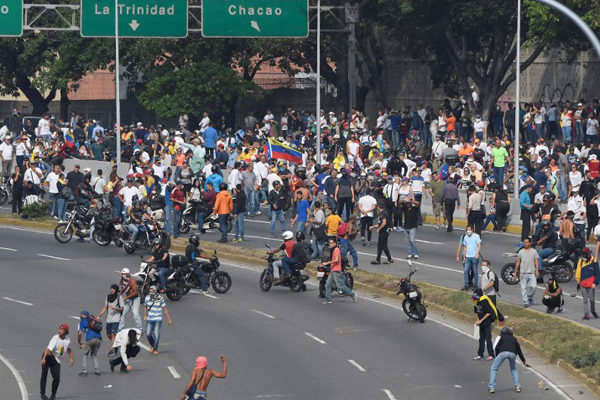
280	344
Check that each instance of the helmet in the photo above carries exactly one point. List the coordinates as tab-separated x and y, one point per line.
547	197
300	236
157	241
545	222
288	235
194	239
125	270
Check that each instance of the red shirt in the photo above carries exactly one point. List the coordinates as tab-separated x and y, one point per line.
179	196
336	267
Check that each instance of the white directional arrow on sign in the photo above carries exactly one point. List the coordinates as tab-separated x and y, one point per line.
254	25
134	25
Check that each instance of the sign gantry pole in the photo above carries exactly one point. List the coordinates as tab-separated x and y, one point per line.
117	84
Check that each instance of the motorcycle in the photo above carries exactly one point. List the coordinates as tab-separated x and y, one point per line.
189	219
5	190
108	229
557	264
219	280
145	277
413	300
323	273
147	232
295	281
78	222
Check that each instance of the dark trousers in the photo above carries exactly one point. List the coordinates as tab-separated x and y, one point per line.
502	209
365	224
475	219
347	202
493	299
130	351
398	216
210	152
382	245
54	367
526	218
591	213
450	205
17	202
485	337
223	226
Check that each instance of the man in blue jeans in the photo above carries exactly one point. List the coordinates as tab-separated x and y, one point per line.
160	255
507	348
471	245
347	244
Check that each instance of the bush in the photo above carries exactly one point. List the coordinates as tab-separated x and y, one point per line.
35	210
588	358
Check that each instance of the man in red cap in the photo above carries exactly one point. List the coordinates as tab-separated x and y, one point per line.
51	360
200	378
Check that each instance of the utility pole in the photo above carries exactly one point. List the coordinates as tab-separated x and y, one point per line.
117	84
318	113
517	99
351	14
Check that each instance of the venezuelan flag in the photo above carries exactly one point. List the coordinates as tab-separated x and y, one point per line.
280	151
69	136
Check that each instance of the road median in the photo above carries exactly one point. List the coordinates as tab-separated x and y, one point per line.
572	346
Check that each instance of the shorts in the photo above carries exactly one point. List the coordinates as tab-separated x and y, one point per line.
437	208
91	347
112	328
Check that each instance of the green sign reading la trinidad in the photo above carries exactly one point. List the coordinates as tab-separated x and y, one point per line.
255	18
11	17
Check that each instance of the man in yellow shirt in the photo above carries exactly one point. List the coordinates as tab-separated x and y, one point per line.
332	223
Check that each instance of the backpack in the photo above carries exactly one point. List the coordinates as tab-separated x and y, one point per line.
94	324
496	282
320	233
66	192
342	229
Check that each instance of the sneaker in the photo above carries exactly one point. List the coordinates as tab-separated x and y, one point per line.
399	229
594	314
52	397
389	262
492	391
559	311
478	358
526	305
375	262
416	256
465	289
408	257
490	358
258	213
437	228
97	373
327	302
354	297
518	389
43	397
83	373
205	292
531	302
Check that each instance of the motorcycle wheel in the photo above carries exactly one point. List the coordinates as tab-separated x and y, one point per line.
221	282
421	312
3	196
118	241
410	310
266	281
349	280
296	283
129	249
507	274
99	239
62	234
564	273
184	227
175	292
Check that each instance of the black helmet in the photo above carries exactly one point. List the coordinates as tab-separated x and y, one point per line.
194	239
546	223
214	169
300	236
547	197
157	241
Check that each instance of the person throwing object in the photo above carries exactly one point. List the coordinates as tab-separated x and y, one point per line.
200	378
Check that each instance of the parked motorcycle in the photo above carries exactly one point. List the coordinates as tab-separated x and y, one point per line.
557	264
5	190
78	222
108	229
413	300
295	281
147	232
189	219
323	273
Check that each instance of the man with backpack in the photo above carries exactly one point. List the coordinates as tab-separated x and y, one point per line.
91	327
490	285
486	315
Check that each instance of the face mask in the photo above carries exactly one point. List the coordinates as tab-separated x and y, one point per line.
469	233
485	269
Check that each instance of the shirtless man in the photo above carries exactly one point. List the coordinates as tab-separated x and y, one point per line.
566	229
201	377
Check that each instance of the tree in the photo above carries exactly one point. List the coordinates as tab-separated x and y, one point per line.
473	41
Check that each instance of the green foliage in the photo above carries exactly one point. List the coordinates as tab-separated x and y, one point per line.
195	88
35	210
588	358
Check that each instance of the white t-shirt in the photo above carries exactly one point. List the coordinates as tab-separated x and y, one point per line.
204	124
426	174
367	202
7	151
592	127
159	170
478	126
128	193
268	118
59	346
21	149
32	175
52	179
99	184
44	127
353	148
272	177
576	178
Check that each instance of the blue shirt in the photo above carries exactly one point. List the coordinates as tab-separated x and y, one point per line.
471	242
210	137
216	180
155	308
525	200
319	179
89	334
302	208
168	201
395	121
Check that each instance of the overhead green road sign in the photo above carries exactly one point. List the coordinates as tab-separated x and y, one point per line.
255	18
137	18
11	17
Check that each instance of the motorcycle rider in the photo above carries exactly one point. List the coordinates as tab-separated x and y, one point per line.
336	273
287	245
193	253
209	197
160	256
300	254
136	215
546	237
215	179
156	202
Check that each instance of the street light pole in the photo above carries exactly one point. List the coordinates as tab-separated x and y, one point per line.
517	99
318	82
117	84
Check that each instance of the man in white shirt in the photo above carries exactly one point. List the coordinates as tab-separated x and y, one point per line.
59	344
159	168
126	194
204	122
98	183
367	205
261	169
44	128
21	150
6	155
269	117
52	180
575	179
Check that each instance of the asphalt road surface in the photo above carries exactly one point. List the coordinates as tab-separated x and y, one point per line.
279	344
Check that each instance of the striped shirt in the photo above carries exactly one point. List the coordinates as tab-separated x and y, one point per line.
155	308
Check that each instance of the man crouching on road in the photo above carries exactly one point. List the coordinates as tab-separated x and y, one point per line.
125	347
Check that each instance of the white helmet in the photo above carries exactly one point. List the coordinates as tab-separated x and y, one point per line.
288	235
125	271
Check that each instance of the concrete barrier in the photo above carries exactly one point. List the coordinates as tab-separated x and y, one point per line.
94	165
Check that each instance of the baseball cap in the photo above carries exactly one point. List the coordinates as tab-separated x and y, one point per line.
65	328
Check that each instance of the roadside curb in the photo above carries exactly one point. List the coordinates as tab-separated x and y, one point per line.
462	223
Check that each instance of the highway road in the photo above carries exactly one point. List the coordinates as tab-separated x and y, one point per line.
279	344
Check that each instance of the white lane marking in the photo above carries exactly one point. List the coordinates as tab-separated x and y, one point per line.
272	396
257	221
26	230
8	249
17	301
357	365
427	241
389	394
53	257
205	294
174	372
263	314
310	335
457	386
17	375
74	317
